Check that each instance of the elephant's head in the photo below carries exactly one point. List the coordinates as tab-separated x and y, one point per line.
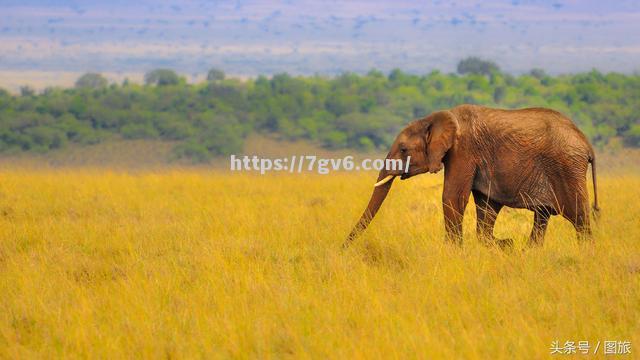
425	142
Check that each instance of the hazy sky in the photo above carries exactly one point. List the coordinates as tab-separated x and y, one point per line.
251	37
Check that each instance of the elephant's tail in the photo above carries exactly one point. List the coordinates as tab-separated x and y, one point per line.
596	208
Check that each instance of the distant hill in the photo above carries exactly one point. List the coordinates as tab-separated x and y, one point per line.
306	37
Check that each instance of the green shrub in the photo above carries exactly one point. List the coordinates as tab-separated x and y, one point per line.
632	136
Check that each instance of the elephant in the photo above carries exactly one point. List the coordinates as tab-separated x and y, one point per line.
533	158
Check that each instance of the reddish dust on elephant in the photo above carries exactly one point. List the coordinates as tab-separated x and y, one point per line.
533	159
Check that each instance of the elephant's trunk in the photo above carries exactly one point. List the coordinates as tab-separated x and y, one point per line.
380	191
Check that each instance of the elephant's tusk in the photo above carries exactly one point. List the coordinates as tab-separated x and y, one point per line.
384	181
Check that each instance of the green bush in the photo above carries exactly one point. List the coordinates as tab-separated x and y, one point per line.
91	81
172	128
632	136
192	150
335	139
43	138
161	77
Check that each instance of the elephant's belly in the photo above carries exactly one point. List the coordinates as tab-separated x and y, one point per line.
516	188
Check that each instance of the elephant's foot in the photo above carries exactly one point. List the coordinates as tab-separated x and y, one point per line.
504	244
491	241
453	239
453	242
535	242
585	236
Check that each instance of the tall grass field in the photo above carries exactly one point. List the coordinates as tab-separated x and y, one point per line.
205	264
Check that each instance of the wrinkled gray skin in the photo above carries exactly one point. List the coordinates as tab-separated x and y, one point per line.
532	159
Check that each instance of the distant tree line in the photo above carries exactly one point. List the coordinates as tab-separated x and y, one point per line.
348	111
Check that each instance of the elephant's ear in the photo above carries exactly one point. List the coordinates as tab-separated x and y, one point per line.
442	132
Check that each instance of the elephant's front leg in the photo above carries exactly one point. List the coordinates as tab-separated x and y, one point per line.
487	211
455	196
453	215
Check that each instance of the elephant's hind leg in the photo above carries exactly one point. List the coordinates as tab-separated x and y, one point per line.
540	222
487	211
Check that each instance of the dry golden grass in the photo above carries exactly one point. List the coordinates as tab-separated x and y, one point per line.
189	264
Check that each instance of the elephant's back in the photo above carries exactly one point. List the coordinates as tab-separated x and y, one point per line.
563	134
539	129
